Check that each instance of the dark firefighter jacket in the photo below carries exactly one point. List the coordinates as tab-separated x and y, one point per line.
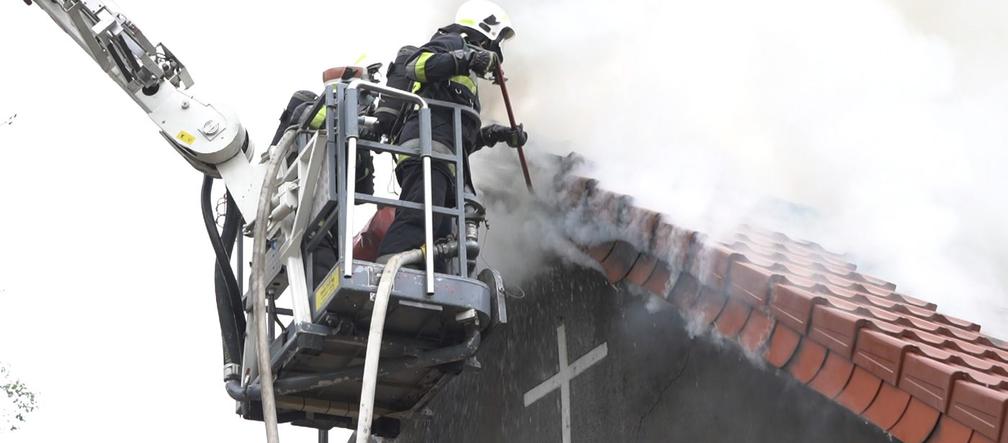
438	75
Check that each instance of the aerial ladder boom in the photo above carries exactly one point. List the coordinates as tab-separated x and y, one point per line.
208	136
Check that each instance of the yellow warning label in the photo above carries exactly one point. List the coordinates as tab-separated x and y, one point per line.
327	289
186	137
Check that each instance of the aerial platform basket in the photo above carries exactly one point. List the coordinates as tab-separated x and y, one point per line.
435	321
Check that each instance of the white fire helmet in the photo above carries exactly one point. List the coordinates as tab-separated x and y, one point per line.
487	18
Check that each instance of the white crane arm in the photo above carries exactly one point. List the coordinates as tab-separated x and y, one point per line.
209	137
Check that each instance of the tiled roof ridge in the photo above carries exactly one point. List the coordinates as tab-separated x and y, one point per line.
893	359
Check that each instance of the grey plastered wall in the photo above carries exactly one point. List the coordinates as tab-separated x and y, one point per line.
656	382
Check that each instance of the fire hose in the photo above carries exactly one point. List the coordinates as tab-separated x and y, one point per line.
259	286
372	354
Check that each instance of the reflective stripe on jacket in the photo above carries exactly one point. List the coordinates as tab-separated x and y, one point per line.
439	72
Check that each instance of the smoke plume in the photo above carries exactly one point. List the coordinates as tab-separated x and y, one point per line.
873	127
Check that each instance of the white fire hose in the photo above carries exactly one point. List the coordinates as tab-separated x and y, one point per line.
259	286
366	411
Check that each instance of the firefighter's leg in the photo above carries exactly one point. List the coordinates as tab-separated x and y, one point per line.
365	172
407	231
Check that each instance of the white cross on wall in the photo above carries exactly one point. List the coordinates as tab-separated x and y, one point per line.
562	379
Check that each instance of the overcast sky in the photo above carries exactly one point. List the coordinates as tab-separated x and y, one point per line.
885	116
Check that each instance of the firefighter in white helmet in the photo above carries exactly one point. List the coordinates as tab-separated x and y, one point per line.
447	68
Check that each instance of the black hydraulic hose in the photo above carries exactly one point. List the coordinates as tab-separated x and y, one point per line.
225	318
229	331
232	222
237	392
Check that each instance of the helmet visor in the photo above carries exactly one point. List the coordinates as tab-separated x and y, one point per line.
505	34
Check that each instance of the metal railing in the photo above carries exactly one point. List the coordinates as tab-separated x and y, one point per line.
342	117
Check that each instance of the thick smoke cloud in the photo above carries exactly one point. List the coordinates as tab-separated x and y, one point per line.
874	127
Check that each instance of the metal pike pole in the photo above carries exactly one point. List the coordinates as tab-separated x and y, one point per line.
514	125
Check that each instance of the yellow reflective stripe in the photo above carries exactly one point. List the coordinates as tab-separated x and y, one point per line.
420	66
416	87
467	22
464	80
319	119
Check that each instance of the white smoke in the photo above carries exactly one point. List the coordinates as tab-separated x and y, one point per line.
884	118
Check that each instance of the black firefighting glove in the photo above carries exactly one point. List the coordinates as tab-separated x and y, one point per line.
493	134
481	61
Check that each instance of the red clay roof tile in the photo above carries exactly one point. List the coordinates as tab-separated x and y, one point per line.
685	293
671	243
983	364
783	242
600	251
874	281
807	361
950	431
914	301
642	269
995	342
860	390
836	329
833	376
742	244
982	378
936	317
643	224
793	305
710	264
880	354
756	331
708	306
852	285
939	329
917	422
996	353
859	298
732	318
750	282
783	344
954	321
987	371
928	380
979	438
949	343
660	280
619	261
889	405
979	407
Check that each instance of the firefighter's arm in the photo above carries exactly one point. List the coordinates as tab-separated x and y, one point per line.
429	67
446	57
492	134
433	67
